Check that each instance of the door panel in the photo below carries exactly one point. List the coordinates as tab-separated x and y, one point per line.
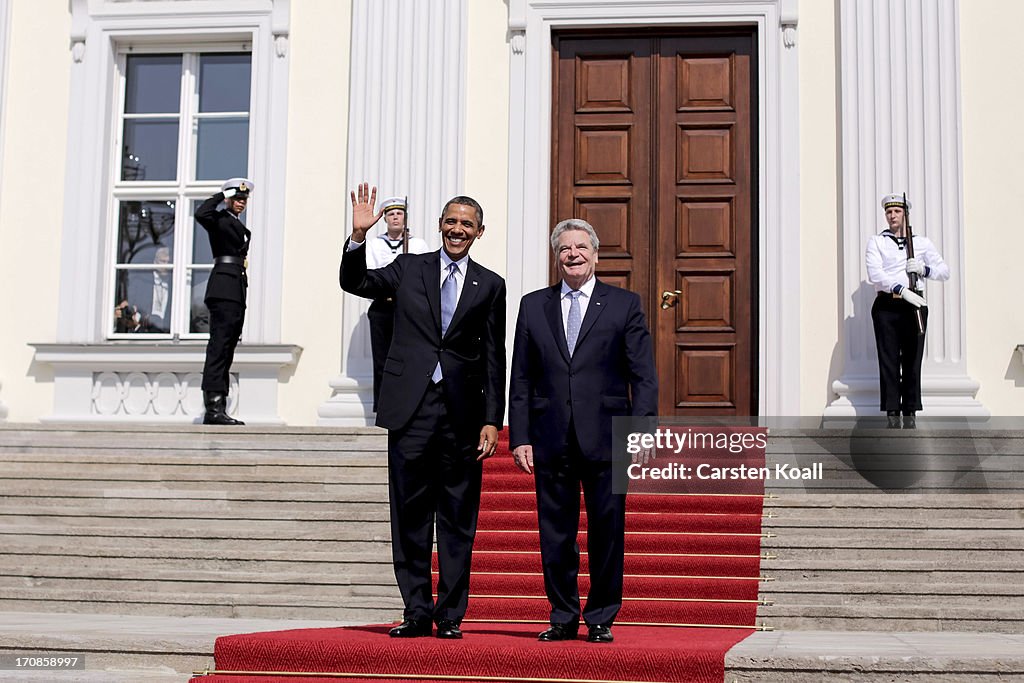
654	146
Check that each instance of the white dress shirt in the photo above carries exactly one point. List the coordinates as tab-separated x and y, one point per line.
586	292
460	273
886	259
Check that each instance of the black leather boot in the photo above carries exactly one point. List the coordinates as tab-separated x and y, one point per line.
216	409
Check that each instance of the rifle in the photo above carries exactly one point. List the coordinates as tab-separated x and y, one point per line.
405	228
909	234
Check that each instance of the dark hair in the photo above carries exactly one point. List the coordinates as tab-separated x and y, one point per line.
465	201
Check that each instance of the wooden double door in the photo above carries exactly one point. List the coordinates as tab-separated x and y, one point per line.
654	145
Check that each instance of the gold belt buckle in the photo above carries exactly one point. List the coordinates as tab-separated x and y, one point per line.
245	263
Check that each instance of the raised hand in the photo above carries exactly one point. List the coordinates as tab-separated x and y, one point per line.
363	216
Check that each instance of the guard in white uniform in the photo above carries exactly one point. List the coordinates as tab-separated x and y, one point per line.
897	337
381	251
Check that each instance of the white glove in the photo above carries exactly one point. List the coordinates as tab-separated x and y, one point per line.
231	192
915	265
912	297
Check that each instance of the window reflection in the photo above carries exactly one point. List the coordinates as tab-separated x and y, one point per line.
142	300
150	150
144	228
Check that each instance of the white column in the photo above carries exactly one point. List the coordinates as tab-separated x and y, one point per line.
900	81
406	114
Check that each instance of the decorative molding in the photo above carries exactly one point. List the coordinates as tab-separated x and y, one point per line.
280	26
148	382
787	21
159	395
900	99
407	141
778	156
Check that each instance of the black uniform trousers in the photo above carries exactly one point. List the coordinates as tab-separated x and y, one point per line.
558	511
433	473
381	316
900	352
226	319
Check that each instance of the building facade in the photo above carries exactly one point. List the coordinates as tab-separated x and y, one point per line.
730	154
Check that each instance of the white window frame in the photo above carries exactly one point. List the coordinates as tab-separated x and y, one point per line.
184	190
98	30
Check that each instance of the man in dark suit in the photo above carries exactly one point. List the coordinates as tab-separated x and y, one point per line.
225	292
441	399
582	355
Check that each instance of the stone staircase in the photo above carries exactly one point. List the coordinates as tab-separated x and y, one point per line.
288	523
856	557
269	526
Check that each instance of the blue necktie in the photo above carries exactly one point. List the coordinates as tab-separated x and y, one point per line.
572	327
449	298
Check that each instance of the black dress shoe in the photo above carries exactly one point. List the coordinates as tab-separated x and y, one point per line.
448	630
909	421
599	633
893	419
559	632
412	628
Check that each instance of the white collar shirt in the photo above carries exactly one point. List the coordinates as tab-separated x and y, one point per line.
460	272
586	293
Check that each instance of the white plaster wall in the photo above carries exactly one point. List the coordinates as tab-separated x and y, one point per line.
317	201
821	356
992	109
31	204
486	160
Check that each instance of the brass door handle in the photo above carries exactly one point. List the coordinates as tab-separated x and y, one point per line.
670	299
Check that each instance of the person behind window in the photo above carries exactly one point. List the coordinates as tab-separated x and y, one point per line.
146	307
380	252
225	292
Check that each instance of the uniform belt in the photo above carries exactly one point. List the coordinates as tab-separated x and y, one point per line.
891	295
233	260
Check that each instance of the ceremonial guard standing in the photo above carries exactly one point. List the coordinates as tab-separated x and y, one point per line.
225	292
897	260
380	252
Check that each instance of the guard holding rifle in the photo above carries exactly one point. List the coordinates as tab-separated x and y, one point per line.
225	292
897	262
381	252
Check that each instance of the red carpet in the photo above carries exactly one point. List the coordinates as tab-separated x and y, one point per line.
691	586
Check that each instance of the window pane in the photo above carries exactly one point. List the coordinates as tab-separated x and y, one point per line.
223	149
153	84
224	81
150	150
145	232
142	301
199	316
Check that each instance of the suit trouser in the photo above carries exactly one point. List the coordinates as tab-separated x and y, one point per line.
226	319
900	352
558	510
381	317
433	473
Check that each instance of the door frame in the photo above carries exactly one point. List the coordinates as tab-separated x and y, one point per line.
531	23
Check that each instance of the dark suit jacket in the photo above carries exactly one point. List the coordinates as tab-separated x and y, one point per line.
228	237
611	372
472	353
